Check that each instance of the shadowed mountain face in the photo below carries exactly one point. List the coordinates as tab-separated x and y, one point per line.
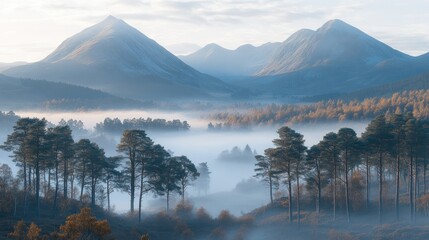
30	94
220	62
115	57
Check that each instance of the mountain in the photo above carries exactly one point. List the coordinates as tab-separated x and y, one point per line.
116	58
335	42
30	94
5	66
220	62
335	59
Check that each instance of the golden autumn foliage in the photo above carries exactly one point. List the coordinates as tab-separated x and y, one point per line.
85	225
414	101
33	232
19	231
22	232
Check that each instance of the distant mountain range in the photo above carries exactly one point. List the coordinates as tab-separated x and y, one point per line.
336	58
220	62
120	62
29	94
116	58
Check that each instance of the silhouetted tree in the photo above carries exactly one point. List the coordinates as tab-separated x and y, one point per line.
348	145
379	139
131	143
397	122
265	170
329	152
187	174
203	181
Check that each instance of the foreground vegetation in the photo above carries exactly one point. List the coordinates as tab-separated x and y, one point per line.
339	188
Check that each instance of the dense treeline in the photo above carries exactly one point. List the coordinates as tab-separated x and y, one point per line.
117	126
392	155
109	125
55	168
414	101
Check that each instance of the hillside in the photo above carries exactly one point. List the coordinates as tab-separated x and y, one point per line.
419	82
29	94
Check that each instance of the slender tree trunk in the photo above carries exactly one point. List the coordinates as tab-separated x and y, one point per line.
416	182
56	187
93	188
108	194
183	193
37	188
168	201
298	207
72	193
141	194
82	185
411	195
380	193
397	184
289	180
30	184
25	188
25	175
271	188
424	176
65	175
367	182
334	191
49	180
133	178
347	187
319	192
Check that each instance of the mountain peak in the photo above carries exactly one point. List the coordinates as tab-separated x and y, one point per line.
212	46
337	25
111	20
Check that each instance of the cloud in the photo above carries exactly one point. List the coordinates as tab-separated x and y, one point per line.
229	23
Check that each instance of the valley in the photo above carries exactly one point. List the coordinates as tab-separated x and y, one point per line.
319	133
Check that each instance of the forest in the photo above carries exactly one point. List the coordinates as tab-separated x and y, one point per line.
414	101
117	126
378	178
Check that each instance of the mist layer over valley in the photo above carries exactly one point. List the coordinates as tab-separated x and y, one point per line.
323	135
199	145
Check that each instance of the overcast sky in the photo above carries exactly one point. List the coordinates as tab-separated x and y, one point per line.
31	29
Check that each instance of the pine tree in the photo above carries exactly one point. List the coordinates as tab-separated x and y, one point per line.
380	140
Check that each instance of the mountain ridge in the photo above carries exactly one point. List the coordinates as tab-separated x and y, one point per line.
221	62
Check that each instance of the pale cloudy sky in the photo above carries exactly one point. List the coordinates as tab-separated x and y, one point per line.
31	29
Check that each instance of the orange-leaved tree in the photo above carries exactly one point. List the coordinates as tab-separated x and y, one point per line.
84	226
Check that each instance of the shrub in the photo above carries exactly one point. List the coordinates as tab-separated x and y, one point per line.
82	225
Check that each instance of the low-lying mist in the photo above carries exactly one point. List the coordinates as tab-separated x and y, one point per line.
199	145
